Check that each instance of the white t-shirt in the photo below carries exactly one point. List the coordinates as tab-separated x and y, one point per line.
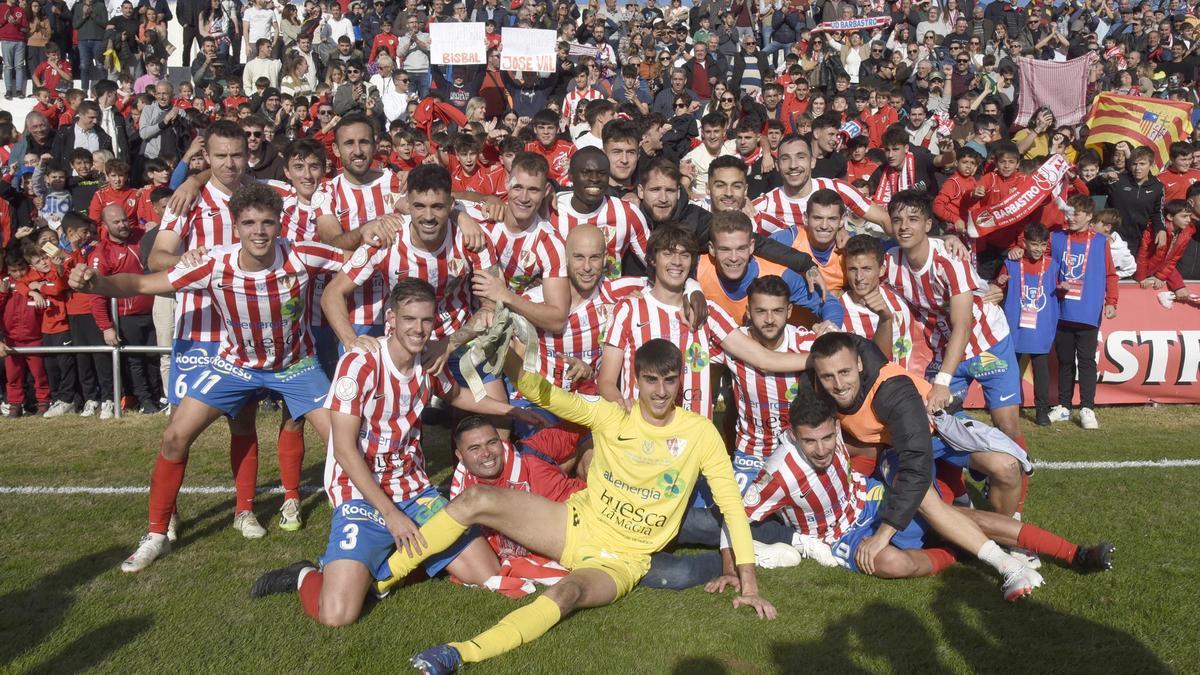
339	28
701	159
258	23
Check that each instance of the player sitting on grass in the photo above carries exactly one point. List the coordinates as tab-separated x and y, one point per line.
881	404
258	287
375	470
606	533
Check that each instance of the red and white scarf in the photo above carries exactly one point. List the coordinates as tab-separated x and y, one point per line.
861	23
520	569
1033	191
892	181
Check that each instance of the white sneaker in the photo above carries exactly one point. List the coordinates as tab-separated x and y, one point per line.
1166	299
1026	557
247	524
289	515
814	549
90	408
59	408
106	410
1087	419
150	548
772	556
173	528
1021	583
4	408
1060	414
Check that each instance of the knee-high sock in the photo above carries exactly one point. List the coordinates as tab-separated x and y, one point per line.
440	531
310	592
1036	539
243	460
165	482
518	627
291	457
939	558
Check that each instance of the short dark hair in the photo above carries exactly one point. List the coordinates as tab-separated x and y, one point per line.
303	148
863	244
771	284
825	197
1002	148
543	117
620	130
257	195
468	423
829	120
666	237
893	136
429	178
1176	206
657	357
724	222
727	162
811	408
911	199
1179	149
531	163
224	129
411	289
161	192
714	119
831	343
352	119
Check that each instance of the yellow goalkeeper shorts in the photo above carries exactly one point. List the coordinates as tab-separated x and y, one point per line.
583	550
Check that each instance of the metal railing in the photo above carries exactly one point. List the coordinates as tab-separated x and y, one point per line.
101	349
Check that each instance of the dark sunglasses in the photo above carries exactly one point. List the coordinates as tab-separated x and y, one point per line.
325	112
964	60
728	99
254	134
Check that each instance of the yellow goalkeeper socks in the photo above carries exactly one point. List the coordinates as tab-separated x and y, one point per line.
520	626
440	532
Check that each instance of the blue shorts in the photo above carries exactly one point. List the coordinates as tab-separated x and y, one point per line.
226	387
943	451
358	532
454	365
188	357
869	518
996	370
746	468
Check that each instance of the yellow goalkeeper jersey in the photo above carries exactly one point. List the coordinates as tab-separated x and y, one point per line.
641	477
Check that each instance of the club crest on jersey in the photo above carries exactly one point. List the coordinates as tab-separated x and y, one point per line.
527	259
676	446
648	448
455	267
346	388
359	258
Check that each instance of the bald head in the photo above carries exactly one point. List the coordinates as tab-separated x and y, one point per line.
587	254
116	222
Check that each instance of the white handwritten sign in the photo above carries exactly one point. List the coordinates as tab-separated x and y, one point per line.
528	49
457	44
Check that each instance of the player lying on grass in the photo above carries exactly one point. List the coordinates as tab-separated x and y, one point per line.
259	287
809	485
881	404
375	470
644	466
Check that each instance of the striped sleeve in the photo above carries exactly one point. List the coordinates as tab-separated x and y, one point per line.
956	274
317	256
553	254
619	333
195	278
719	323
765	496
852	198
365	261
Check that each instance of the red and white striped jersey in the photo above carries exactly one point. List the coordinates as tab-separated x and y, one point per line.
529	256
636	321
623	225
859	320
573	98
448	270
928	291
764	224
791	211
584	332
388	404
209	224
822	504
298	221
264	314
763	398
353	205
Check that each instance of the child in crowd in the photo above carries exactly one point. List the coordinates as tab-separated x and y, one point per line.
116	191
50	186
79	237
22	309
1157	265
1123	260
46	281
960	191
1031	307
1088	285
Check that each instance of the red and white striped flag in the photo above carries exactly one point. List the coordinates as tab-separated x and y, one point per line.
1061	85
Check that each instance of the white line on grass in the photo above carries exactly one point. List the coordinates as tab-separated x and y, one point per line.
309	489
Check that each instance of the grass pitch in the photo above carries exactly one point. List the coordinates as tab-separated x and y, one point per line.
64	605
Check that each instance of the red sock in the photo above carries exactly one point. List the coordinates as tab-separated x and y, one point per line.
310	594
291	456
940	558
1034	538
165	482
950	476
243	459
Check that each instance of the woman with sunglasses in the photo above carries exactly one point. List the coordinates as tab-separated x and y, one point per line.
853	51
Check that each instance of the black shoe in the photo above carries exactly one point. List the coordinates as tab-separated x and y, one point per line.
149	408
1096	558
284	580
1043	418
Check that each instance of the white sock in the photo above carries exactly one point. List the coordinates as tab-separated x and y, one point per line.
995	556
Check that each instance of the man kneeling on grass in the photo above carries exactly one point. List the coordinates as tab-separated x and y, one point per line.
644	465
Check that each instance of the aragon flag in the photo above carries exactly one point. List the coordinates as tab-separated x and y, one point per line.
1151	122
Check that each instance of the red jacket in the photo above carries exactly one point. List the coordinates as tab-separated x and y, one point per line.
110	258
14	23
54	317
1162	262
78	304
22	321
954	199
1175	184
127	199
878	122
